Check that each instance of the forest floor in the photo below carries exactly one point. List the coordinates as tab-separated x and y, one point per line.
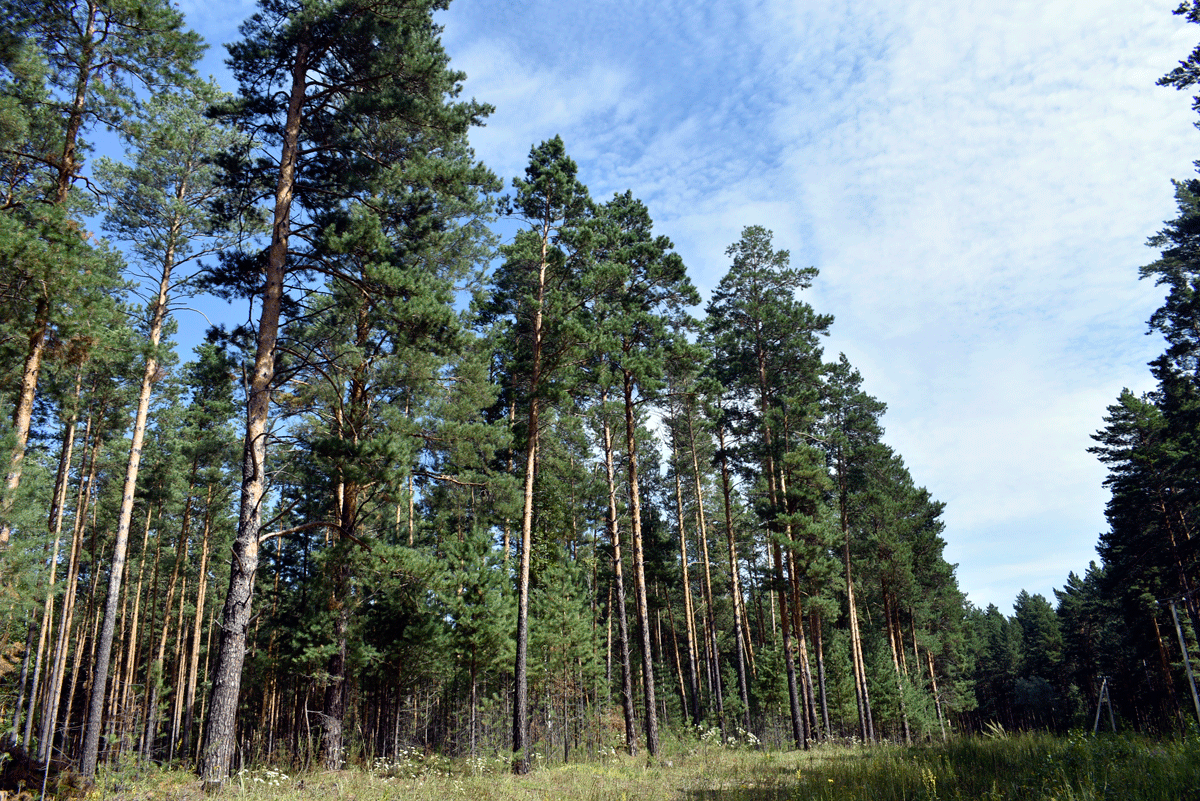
1036	767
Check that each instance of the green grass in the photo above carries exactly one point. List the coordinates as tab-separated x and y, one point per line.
1035	767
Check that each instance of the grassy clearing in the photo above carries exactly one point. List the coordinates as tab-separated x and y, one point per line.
1035	767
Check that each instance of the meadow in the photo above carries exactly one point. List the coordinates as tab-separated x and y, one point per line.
1026	766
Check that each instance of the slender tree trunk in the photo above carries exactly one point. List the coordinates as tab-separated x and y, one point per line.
115	690
179	679
734	580
87	500
639	570
798	733
512	424
520	729
217	748
683	687
334	704
862	695
212	626
189	702
521	742
892	634
937	697
860	673
809	700
799	720
614	534
693	682
157	676
54	524
820	639
23	680
67	166
91	735
63	643
91	617
713	662
143	747
134	648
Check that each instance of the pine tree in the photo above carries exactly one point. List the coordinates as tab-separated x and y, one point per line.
642	293
161	207
346	69
98	55
851	431
767	357
538	289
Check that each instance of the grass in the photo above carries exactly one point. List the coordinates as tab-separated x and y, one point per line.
1034	767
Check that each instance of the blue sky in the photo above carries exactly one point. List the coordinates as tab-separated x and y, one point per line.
975	182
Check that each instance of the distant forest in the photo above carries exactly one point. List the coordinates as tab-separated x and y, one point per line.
448	493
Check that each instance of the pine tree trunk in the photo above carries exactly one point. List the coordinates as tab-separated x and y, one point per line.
134	648
812	728
61	481
91	617
799	719
819	637
937	697
88	501
62	644
735	581
798	733
692	702
91	735
157	677
189	703
23	413
218	745
614	534
866	726
521	742
333	710
683	686
202	716
710	641
639	570
862	696
178	684
893	635
24	678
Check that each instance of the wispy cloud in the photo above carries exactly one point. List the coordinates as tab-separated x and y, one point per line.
975	182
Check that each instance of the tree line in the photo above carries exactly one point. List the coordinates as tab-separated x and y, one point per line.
440	491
